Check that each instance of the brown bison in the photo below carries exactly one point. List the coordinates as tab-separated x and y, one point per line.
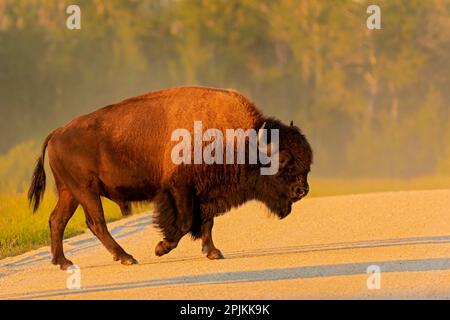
123	152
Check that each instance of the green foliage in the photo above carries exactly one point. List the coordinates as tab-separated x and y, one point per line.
373	103
16	167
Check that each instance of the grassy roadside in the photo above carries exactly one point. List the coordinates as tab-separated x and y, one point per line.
321	187
21	231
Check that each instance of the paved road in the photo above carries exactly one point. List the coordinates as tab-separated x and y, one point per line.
322	250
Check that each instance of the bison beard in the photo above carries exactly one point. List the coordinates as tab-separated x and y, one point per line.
122	152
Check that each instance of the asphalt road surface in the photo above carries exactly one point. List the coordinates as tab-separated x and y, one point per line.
327	248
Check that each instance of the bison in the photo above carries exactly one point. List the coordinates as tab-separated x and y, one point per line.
123	152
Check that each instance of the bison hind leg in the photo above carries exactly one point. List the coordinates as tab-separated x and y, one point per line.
64	210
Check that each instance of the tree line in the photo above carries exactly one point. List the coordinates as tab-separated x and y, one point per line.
372	102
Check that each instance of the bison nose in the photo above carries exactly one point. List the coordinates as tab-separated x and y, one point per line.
305	191
299	192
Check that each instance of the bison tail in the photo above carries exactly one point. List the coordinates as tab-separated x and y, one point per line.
37	187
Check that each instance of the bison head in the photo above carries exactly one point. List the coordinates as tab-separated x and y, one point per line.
290	184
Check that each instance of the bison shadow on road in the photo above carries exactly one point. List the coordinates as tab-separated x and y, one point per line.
304	272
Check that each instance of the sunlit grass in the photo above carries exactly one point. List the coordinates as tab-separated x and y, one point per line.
21	230
320	187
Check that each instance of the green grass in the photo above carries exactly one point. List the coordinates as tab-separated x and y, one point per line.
321	187
21	230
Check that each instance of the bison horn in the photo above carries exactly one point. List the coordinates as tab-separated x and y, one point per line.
263	146
263	143
260	133
263	126
292	123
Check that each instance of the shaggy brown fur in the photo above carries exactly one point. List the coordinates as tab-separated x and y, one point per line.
123	152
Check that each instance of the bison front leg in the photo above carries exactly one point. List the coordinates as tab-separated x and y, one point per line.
175	215
207	242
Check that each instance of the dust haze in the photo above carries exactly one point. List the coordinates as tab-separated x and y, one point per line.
373	103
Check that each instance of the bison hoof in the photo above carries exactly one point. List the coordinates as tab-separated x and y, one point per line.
215	254
63	263
162	248
126	259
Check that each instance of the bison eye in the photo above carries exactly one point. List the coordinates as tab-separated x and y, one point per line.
284	160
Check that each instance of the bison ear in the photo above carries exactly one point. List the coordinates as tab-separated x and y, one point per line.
292	123
284	159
